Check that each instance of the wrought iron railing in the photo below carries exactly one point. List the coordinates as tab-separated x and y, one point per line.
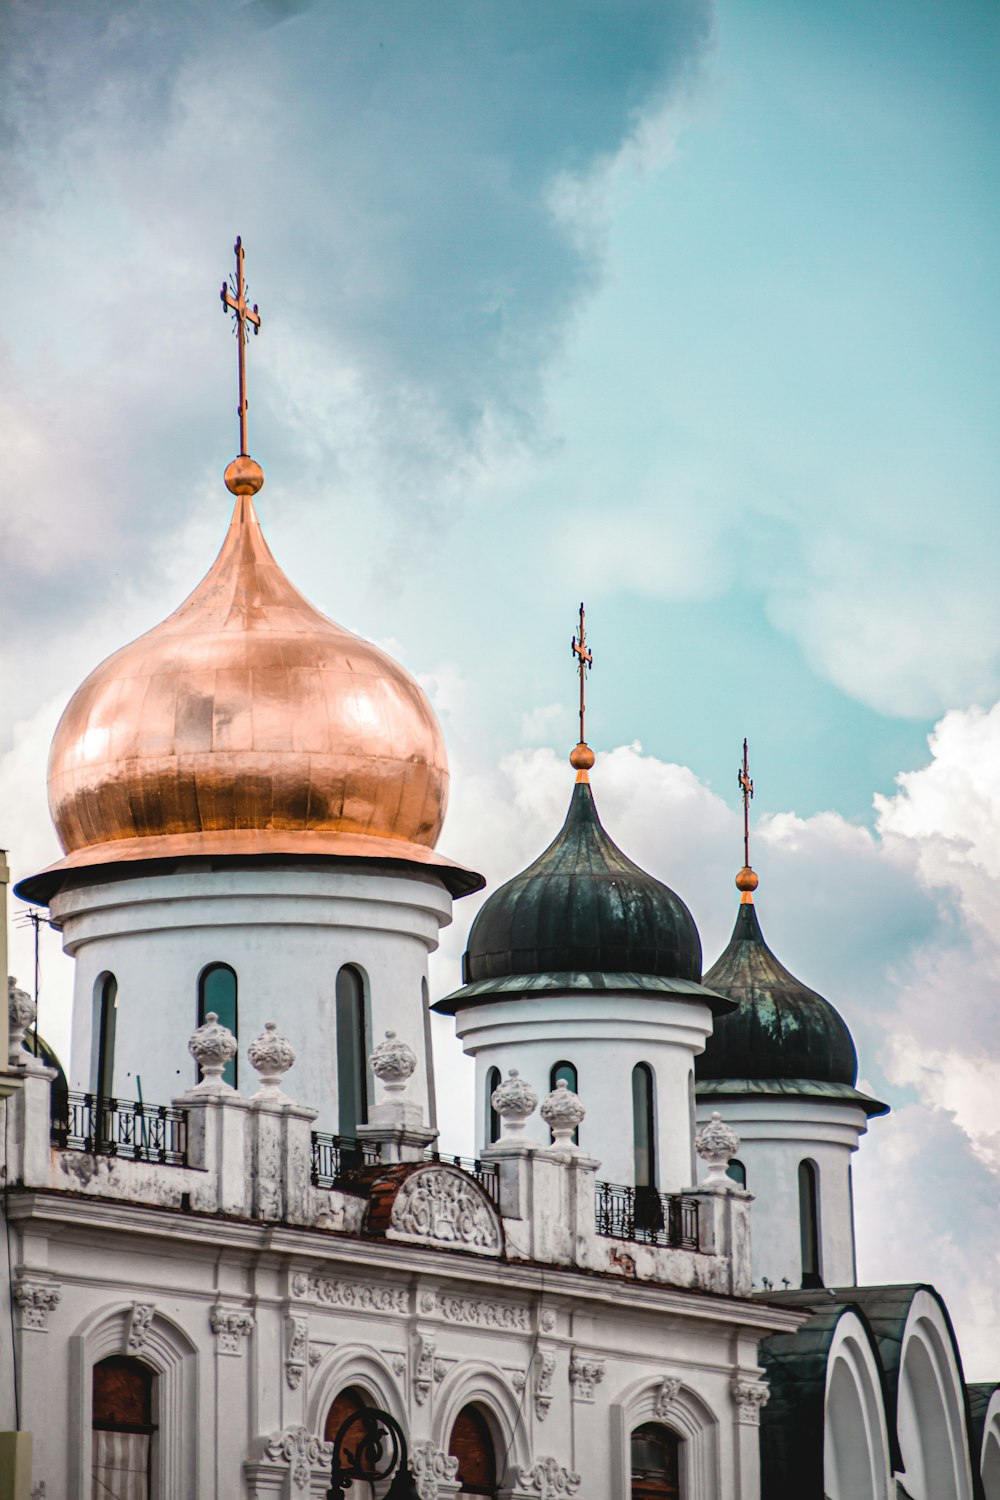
337	1157
644	1215
120	1127
486	1173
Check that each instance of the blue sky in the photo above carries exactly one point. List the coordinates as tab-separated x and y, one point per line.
687	311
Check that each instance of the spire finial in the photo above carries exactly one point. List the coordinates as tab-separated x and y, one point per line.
746	880
243	476
582	758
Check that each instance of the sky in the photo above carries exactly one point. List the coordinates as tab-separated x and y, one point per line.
687	311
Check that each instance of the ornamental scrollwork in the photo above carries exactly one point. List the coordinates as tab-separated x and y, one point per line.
750	1396
429	1465
444	1205
477	1312
585	1374
231	1325
139	1324
302	1451
550	1480
36	1299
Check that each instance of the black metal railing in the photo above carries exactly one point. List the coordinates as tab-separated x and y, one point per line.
335	1158
486	1173
646	1216
120	1127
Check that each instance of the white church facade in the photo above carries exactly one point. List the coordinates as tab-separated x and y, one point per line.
230	1225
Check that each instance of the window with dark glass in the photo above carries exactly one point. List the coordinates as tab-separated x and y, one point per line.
472	1444
643	1126
123	1429
352	1052
738	1172
809	1224
105	1082
217	992
492	1118
655	1463
565	1072
347	1402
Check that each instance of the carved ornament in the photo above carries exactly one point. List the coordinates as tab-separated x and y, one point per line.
549	1479
36	1299
429	1465
477	1312
444	1205
750	1396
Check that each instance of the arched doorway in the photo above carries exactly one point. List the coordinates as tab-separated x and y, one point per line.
471	1443
124	1429
655	1463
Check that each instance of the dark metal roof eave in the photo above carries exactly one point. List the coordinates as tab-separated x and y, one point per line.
520	986
789	1088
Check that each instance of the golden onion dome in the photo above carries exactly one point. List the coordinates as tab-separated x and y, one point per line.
247	723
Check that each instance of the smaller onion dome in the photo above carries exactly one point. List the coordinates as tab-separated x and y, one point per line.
783	1038
582	916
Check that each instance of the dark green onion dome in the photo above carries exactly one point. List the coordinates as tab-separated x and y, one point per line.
783	1038
583	916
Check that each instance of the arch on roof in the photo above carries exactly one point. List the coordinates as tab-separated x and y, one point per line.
856	1462
666	1399
930	1405
988	1456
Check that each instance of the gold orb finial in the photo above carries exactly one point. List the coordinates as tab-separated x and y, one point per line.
582	759
244	476
747	882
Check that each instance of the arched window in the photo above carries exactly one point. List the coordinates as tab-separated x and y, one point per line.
655	1463
104	1082
352	1052
809	1223
492	1132
472	1444
217	992
565	1072
738	1172
346	1403
643	1126
124	1429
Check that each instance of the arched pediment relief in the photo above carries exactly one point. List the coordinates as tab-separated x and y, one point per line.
930	1417
434	1204
856	1463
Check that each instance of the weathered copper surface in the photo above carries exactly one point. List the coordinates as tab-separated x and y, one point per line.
247	712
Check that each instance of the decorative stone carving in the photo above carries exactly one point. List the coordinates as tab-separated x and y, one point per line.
231	1325
428	1466
476	1311
717	1143
361	1295
393	1063
514	1100
443	1204
296	1350
271	1055
547	1320
665	1397
36	1299
315	1355
562	1112
139	1323
543	1383
584	1375
20	1015
426	1369
750	1395
519	1379
549	1479
302	1451
398	1363
212	1046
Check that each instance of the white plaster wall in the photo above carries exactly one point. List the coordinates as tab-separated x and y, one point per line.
604	1036
856	1443
775	1136
285	931
931	1412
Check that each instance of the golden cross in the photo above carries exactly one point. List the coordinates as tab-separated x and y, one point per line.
234	297
585	662
746	787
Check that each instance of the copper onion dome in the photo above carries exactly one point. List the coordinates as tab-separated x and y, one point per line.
248	723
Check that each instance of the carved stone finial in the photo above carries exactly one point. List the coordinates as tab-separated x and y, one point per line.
393	1063
717	1143
20	1015
514	1100
271	1055
212	1046
562	1112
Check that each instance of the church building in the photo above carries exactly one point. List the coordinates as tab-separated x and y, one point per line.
233	1230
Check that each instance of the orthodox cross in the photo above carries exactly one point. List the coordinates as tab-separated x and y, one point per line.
746	787
585	661
234	298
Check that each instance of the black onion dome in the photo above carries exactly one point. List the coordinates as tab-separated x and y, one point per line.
783	1037
583	906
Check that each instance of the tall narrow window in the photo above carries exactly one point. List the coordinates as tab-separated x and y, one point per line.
217	992
472	1444
809	1223
492	1118
738	1172
123	1429
352	1052
655	1463
565	1072
643	1126
105	1081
